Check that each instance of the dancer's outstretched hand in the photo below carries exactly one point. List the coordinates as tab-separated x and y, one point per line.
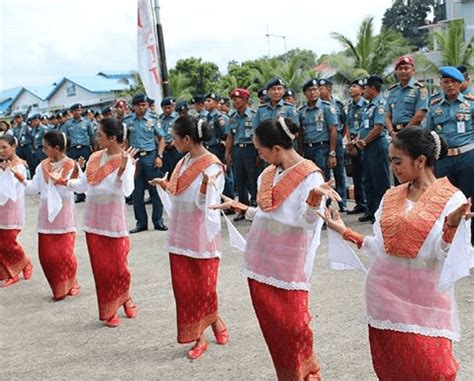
230	204
333	220
162	182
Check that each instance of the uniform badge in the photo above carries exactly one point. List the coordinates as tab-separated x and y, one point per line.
381	110
464	106
221	122
439	127
438	111
460	116
392	106
149	124
423	93
332	109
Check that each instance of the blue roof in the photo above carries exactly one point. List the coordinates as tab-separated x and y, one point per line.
94	84
9	93
116	75
41	91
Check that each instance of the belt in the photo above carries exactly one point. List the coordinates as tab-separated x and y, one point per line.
25	144
316	144
145	153
401	126
244	145
459	150
79	146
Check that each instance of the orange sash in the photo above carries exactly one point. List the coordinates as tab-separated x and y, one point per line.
66	167
270	197
404	233
178	183
96	173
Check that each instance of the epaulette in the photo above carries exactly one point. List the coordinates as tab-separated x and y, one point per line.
419	84
435	101
393	86
469	96
288	104
263	106
327	103
232	113
302	107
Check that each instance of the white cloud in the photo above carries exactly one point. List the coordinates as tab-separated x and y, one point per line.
44	40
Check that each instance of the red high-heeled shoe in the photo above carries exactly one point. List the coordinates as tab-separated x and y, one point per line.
130	309
11	281
222	336
113	322
27	271
197	351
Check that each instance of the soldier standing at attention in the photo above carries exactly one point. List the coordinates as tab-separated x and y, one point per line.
290	97
121	109
38	131
24	136
373	141
145	134
198	101
182	108
451	117
171	155
240	150
354	118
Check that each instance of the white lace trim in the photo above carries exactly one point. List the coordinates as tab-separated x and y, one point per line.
106	233
412	328
275	282
56	231
193	254
12	227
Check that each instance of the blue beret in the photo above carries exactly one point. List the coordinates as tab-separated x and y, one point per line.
451	72
167	101
275	81
289	93
198	98
75	106
212	96
324	82
139	98
359	82
262	92
373	80
181	105
310	83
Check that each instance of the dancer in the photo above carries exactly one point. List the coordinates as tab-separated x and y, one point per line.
194	239
412	320
13	259
107	181
56	217
281	245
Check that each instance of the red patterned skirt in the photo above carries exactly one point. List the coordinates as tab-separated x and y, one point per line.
194	287
108	257
284	319
56	255
12	256
400	356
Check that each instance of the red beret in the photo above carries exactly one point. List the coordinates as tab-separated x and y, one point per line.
119	102
404	60
240	93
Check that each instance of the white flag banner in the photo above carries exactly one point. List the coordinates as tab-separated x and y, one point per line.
147	53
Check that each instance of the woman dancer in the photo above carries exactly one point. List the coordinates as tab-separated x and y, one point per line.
281	245
411	320
12	214
194	238
107	181
56	217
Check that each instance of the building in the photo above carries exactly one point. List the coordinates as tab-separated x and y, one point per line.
462	9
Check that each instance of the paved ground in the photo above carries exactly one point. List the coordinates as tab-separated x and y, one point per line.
41	339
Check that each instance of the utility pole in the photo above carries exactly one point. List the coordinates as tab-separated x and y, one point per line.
161	50
268	35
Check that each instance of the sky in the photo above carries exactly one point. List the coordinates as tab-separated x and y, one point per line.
42	41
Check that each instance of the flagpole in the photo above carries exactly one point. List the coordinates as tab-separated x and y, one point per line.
161	50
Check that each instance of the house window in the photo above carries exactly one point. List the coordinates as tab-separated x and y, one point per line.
71	90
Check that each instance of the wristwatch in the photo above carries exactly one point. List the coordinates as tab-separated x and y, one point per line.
159	155
332	153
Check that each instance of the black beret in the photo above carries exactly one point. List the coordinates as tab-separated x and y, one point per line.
198	98
324	82
89	110
139	98
374	80
106	110
289	93
17	114
275	81
181	105
310	83
35	116
167	101
59	114
52	116
262	92
97	113
224	100
359	82
212	96
462	69
75	106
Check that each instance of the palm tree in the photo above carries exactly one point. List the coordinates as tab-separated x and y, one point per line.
136	85
370	52
454	51
180	86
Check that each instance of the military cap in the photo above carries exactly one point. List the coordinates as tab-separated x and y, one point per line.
404	60
212	96
240	93
181	105
120	102
97	113
451	72
324	82
106	110
289	93
310	83
224	100
17	114
198	98
35	116
463	70
262	92
89	110
52	116
150	101
373	80
167	101
139	98
359	82
75	106
275	81
59	114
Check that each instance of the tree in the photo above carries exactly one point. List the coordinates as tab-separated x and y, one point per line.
180	86
136	86
454	51
202	76
370	52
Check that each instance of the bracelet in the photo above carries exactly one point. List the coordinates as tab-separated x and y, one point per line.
354	237
448	231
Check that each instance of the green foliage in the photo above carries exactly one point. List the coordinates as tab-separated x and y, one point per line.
202	76
136	86
454	51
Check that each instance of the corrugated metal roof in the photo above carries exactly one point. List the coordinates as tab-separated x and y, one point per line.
9	93
94	84
41	91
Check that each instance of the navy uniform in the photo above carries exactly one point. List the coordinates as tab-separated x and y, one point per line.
182	108
262	96
290	96
38	130
338	170
281	108
199	110
315	123
454	122
355	110
171	156
240	131
142	133
377	175
79	134
24	135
